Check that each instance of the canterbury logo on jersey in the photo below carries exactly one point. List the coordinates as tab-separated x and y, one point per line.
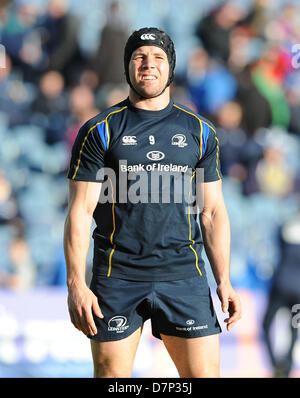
129	140
148	36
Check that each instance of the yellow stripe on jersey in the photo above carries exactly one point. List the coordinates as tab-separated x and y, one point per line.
81	149
201	130
106	122
218	156
218	149
85	138
114	228
190	229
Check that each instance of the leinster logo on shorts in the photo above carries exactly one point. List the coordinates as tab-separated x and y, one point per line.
155	155
179	140
117	324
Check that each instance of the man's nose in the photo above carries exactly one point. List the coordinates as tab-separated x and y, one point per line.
148	62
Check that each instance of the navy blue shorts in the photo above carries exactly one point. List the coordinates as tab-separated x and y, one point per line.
182	308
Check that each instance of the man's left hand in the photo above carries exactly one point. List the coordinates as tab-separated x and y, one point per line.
230	303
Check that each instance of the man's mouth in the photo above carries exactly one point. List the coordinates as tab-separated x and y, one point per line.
149	77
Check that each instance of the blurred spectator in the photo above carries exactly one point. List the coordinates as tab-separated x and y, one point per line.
292	94
20	272
20	269
23	268
210	85
258	18
84	105
284	293
273	174
273	171
89	78
8	204
261	93
21	38
244	48
15	95
239	153
284	27
59	29
268	75
116	95
214	30
110	94
3	11
82	108
108	64
51	106
51	95
179	93
253	103
232	141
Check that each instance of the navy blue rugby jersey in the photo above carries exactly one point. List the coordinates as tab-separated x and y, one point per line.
147	161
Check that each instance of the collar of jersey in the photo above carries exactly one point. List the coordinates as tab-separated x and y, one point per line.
151	114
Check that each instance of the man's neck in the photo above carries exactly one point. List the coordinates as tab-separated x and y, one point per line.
150	104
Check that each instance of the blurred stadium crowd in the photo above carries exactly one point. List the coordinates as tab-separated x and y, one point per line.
64	64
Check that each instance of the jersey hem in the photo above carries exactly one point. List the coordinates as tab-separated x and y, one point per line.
212	178
158	278
86	178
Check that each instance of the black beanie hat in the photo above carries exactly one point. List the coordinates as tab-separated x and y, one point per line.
150	37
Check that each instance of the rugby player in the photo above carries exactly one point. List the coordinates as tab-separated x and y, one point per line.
147	251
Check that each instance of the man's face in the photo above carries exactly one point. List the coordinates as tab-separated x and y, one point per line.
149	70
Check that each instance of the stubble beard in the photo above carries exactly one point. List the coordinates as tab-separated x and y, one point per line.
141	93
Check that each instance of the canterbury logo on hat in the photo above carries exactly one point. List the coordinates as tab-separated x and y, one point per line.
148	36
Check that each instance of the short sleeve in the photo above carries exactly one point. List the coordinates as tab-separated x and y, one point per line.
210	161
88	153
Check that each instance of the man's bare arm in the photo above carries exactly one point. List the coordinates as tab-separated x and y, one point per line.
83	199
215	228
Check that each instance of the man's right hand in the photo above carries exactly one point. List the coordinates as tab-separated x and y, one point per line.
82	303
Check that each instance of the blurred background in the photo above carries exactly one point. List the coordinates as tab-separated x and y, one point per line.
238	64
